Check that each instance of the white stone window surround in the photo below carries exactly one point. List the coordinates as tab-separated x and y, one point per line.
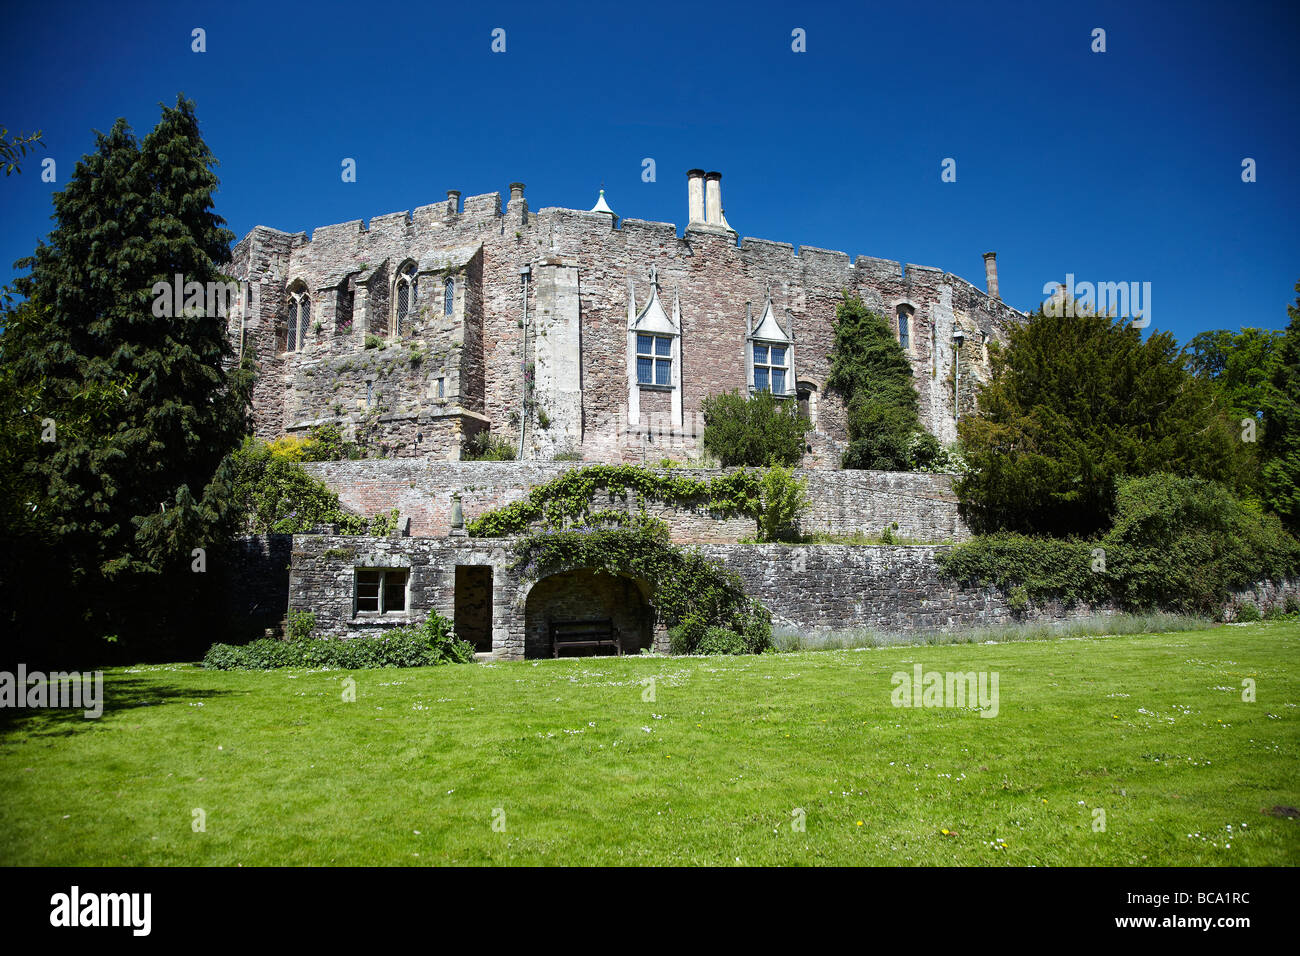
759	357
654	322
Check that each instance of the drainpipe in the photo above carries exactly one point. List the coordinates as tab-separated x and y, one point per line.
524	273
958	336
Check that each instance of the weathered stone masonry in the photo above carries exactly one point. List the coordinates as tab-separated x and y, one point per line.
812	587
841	502
459	361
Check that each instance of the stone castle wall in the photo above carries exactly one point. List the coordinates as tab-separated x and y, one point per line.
841	502
813	587
574	358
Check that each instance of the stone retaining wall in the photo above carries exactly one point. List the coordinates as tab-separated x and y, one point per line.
842	502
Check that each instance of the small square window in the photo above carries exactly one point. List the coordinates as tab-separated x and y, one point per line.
381	590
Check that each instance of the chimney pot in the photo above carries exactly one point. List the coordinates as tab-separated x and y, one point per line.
453	201
516	191
991	273
695	195
713	198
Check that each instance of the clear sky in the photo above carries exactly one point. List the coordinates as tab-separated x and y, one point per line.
1117	166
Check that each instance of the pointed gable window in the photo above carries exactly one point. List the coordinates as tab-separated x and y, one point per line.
654	350
770	355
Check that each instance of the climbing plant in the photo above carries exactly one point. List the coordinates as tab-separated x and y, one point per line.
569	498
692	593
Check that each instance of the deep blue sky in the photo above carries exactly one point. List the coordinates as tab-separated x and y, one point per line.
1119	166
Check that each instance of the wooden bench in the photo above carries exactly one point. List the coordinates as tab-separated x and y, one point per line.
595	634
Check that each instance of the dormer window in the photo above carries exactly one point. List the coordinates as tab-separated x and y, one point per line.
654	353
654	360
770	356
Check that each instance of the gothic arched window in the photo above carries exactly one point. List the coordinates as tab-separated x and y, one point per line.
404	295
299	319
905	327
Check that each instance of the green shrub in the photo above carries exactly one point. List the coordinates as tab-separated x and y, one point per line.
1181	544
299	625
433	642
718	640
753	431
484	446
374	341
274	495
1248	612
782	499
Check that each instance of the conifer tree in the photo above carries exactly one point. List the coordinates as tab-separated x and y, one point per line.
1281	432
145	408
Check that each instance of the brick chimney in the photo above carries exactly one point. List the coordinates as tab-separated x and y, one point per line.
695	195
991	273
517	207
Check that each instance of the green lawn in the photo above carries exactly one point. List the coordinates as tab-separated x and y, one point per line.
1151	728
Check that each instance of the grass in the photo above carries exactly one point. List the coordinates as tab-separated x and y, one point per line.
579	768
789	639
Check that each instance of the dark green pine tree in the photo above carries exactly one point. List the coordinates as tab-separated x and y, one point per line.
1280	442
134	485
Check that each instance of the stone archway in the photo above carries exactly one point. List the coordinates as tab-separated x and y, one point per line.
582	595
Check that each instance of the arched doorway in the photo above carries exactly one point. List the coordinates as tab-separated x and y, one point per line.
572	602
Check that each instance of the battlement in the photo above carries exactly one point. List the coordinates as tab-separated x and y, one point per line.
484	213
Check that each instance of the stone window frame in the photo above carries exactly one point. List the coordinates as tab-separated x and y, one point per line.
405	279
813	388
297	316
381	595
449	297
905	325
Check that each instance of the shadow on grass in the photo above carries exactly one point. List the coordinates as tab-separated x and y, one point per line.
122	693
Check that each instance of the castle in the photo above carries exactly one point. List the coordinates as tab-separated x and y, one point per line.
573	336
571	333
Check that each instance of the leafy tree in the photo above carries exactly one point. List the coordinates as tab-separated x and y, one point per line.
13	148
1076	403
1241	363
753	431
1281	432
145	408
872	373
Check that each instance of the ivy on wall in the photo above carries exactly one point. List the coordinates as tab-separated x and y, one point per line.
569	498
691	593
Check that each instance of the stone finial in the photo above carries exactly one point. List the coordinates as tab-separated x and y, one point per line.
601	205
